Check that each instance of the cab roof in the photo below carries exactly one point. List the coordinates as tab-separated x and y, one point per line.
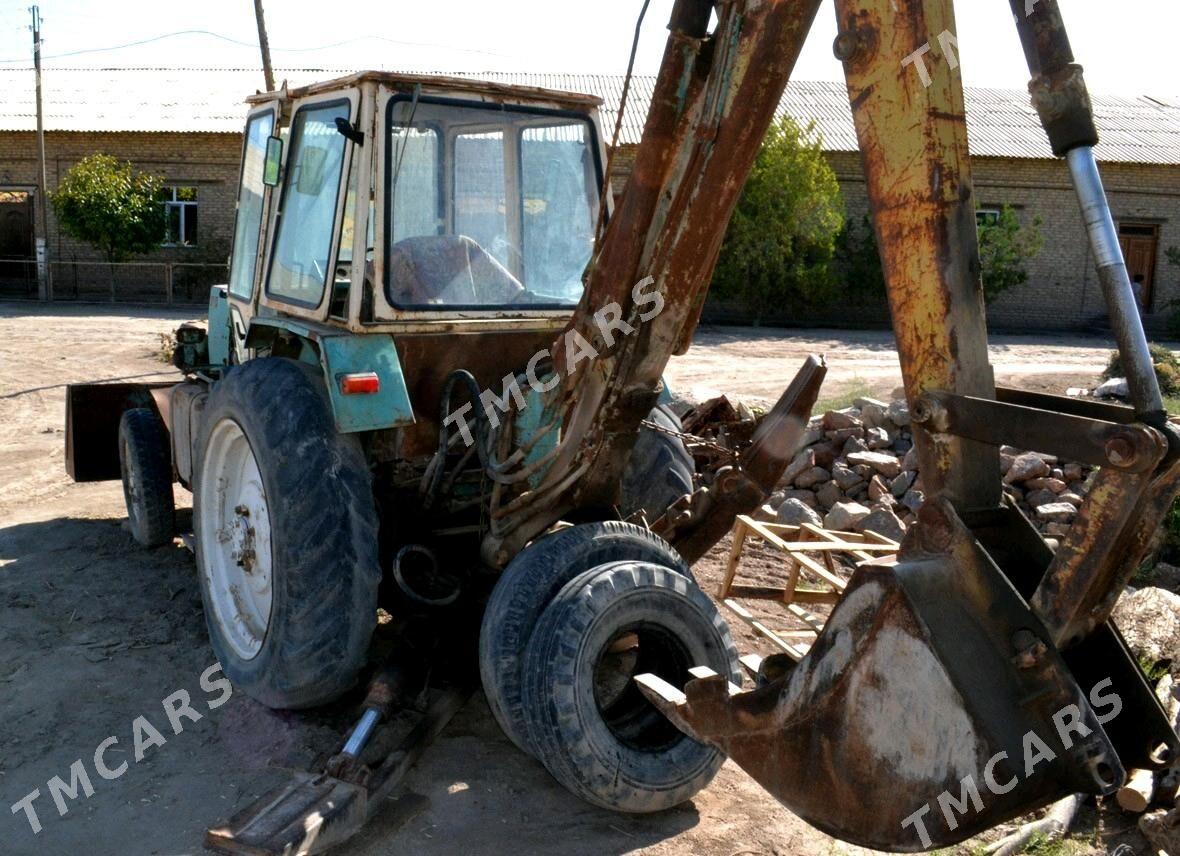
436	84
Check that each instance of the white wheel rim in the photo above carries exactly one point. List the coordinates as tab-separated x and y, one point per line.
235	539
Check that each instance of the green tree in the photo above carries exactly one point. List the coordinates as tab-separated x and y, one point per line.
1004	249
105	203
782	235
858	261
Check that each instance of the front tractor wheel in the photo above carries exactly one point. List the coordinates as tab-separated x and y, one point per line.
286	536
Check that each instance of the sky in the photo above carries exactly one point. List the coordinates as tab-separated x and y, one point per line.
1127	48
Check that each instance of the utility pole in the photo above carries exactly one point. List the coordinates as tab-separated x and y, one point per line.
44	283
264	45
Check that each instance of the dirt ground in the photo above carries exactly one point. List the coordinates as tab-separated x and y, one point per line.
97	633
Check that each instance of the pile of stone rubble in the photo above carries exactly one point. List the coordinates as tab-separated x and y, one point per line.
858	471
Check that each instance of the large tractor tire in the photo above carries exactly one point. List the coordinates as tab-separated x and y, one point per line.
589	724
145	460
286	535
660	469
526	587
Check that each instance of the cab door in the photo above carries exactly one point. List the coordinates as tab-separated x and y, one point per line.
304	236
249	215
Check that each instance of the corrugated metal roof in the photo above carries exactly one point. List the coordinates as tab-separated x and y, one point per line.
1000	123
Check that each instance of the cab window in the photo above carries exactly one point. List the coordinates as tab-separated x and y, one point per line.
487	205
299	267
248	222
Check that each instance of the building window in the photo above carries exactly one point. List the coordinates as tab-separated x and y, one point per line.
987	216
180	209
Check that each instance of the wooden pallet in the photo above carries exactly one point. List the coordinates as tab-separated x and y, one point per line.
809	553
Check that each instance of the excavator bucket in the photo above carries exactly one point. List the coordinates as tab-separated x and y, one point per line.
932	707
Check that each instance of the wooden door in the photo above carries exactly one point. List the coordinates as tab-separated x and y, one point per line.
1140	244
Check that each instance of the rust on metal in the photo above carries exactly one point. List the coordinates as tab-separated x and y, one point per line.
1135	448
93	411
694	525
427	359
714	99
913	142
886	692
1105	544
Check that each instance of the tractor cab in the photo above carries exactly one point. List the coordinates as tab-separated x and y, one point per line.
379	198
451	218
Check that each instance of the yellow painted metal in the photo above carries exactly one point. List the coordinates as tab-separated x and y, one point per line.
906	94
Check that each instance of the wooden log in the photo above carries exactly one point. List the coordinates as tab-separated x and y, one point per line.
1136	795
1055	824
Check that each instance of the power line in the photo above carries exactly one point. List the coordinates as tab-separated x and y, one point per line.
253	45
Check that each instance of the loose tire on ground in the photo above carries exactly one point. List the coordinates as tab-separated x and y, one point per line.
590	725
660	469
145	460
293	628
525	588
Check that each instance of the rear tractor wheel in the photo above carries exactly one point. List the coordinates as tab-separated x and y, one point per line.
286	535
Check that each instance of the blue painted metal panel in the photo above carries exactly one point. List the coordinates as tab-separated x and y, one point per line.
375	352
218	326
540	411
665	392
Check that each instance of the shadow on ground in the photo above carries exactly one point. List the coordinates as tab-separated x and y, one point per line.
97	632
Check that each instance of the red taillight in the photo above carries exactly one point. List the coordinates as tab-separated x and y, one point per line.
360	383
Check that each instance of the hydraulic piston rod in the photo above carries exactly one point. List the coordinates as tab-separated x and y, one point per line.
1059	95
1121	304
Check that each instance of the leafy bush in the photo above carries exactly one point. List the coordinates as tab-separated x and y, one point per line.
1172	254
782	235
1167	368
1004	248
857	260
105	203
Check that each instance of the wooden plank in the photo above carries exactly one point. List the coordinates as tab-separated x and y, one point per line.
806	617
780	528
751	663
820	571
740	528
847	542
770	593
860	544
793	567
806	561
762	630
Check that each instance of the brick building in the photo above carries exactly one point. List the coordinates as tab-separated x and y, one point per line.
185	125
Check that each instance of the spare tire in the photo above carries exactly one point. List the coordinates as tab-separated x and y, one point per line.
525	588
660	469
590	725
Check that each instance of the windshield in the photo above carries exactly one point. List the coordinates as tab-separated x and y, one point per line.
487	206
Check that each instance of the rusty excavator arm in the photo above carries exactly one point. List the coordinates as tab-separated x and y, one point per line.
978	676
